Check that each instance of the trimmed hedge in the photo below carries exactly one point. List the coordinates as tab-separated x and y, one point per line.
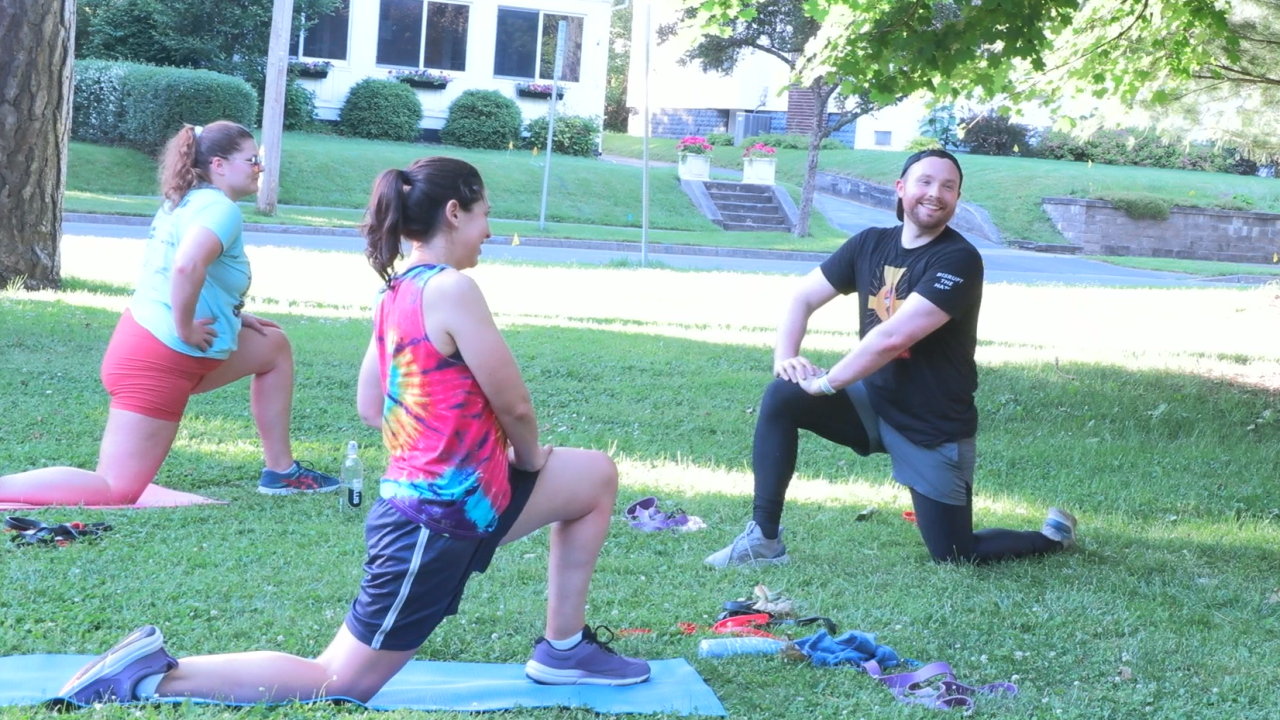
299	106
574	134
483	119
1141	148
381	110
792	142
142	106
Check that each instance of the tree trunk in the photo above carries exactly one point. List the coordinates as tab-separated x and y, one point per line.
816	135
35	124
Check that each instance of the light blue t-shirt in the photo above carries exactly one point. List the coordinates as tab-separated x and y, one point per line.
226	280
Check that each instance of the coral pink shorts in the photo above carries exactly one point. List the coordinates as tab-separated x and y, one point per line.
145	376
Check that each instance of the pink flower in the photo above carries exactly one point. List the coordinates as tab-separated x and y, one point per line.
759	150
693	145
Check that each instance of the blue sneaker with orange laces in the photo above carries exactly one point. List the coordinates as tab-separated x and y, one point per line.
297	479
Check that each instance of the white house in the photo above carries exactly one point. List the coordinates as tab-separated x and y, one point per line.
484	44
688	101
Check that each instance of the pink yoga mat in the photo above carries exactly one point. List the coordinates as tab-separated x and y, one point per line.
153	496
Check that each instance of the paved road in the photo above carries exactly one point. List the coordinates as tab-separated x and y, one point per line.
1003	264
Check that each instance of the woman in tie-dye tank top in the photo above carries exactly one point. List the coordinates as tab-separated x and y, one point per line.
466	474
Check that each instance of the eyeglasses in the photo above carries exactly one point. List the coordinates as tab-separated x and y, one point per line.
256	160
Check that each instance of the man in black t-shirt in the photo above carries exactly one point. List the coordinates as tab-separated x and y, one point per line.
906	389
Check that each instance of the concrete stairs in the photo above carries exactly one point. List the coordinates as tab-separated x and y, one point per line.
742	207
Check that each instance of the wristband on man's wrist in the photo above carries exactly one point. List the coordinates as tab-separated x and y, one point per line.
825	385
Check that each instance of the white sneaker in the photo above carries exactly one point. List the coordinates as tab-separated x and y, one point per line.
1060	526
750	548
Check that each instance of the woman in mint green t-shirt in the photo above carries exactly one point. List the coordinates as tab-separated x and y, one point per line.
185	333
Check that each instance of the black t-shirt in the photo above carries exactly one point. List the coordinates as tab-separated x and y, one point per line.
927	392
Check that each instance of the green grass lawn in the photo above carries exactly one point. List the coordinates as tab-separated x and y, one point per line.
1164	440
1204	268
1008	188
329	178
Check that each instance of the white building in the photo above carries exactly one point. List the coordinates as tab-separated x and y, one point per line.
687	101
483	44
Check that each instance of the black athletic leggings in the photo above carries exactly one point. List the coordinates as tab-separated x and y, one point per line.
947	529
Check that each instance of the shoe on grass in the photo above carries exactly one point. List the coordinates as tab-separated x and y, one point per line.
297	479
750	548
113	676
1060	526
590	662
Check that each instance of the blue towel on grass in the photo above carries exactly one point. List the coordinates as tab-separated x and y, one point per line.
851	648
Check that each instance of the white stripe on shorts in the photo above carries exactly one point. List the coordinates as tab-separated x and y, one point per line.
404	589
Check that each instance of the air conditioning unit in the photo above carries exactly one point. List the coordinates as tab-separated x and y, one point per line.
750	125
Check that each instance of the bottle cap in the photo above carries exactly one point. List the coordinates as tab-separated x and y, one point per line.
351	448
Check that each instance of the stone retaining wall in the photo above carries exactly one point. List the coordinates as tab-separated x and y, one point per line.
1190	233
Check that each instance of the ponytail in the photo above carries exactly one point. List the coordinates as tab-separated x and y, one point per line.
382	222
186	158
408	204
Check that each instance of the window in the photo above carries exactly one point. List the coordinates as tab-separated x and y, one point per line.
884	138
525	46
327	38
413	33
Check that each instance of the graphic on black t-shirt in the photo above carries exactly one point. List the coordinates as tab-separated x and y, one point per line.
884	301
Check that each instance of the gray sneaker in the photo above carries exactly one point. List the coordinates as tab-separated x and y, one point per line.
590	662
1060	526
113	676
750	548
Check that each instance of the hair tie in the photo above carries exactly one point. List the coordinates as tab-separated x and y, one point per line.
197	130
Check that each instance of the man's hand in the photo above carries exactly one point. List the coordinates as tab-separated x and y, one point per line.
795	369
812	384
257	324
199	334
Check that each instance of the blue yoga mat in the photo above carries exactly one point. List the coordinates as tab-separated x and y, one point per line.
675	687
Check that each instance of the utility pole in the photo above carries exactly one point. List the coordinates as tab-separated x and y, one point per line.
273	105
551	121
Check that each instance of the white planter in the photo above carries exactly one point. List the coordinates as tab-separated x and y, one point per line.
694	167
759	171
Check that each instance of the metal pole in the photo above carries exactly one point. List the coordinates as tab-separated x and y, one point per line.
551	120
644	201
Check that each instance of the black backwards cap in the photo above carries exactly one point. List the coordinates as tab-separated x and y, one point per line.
938	153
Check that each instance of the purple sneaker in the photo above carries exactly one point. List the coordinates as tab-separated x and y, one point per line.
113	675
590	662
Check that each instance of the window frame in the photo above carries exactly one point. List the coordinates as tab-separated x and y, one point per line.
302	43
888	138
422	39
537	59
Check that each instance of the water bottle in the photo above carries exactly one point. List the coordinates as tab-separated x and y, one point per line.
352	478
723	647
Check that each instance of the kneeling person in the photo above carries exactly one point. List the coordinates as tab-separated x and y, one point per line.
906	390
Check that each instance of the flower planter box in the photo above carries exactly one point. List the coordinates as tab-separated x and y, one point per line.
537	94
424	84
759	171
694	167
315	73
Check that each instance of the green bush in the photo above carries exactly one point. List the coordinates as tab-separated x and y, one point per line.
720	139
1144	148
381	110
923	143
792	142
299	106
143	106
991	133
484	119
1139	206
574	134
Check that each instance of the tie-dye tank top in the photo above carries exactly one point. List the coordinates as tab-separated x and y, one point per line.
448	461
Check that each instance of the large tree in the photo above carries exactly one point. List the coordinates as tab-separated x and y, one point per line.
780	29
875	52
35	123
230	37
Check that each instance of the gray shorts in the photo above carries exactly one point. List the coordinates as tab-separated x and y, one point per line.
943	473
